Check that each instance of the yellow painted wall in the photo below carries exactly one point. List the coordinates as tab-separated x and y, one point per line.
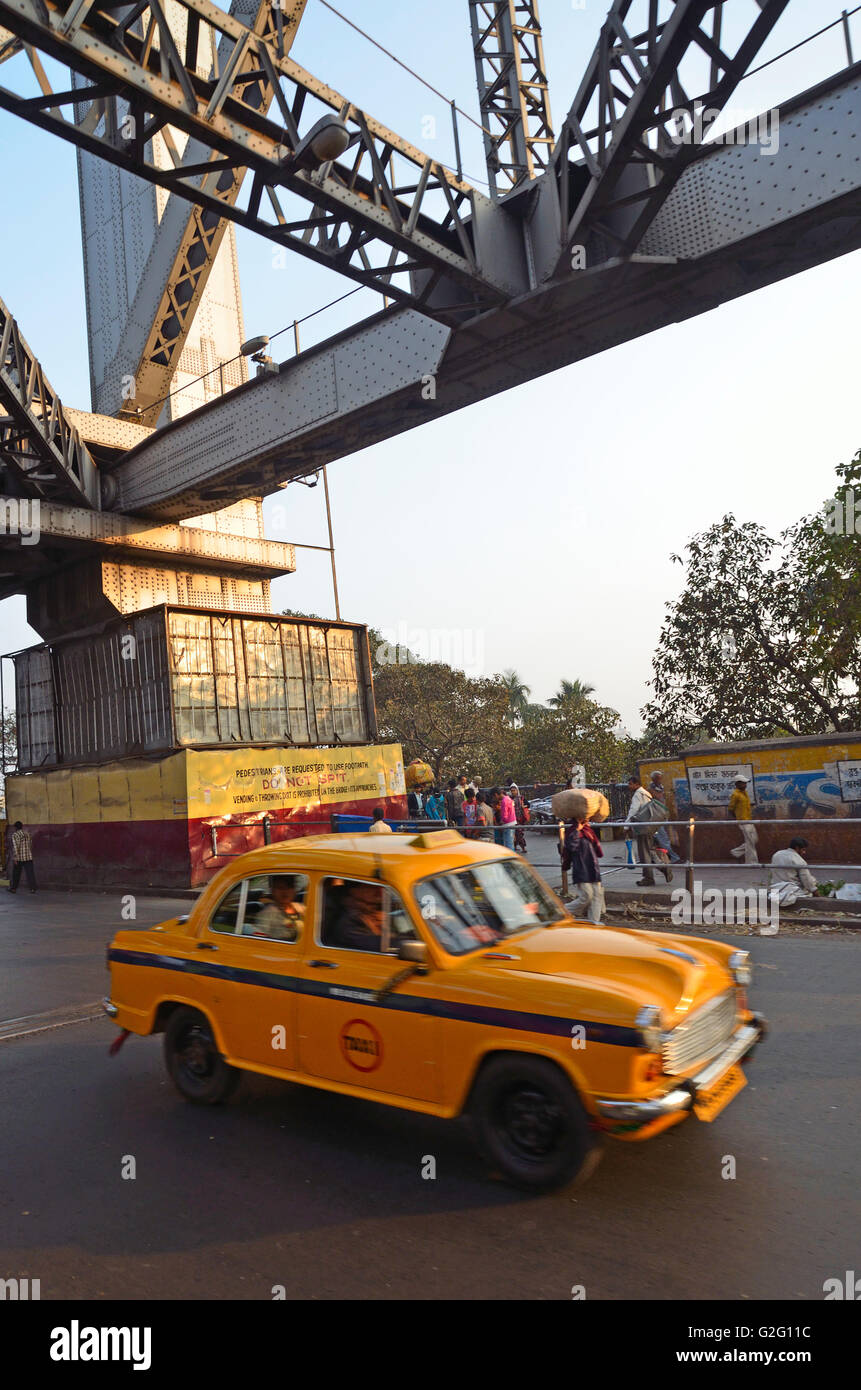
191	784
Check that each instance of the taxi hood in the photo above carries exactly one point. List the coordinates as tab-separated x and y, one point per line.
645	967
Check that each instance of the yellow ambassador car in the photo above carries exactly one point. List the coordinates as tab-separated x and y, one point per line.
439	974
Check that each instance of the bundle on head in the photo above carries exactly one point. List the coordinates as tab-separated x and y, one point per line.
571	804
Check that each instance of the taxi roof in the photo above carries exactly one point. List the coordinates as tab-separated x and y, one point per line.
403	855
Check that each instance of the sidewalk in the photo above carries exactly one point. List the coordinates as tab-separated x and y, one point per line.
620	878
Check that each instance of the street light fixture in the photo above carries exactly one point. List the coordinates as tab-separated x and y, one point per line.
255	348
325	141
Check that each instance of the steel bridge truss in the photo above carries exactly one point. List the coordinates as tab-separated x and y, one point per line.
383	213
38	443
202	233
512	90
622	149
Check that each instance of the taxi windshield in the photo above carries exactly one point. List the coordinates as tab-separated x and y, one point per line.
484	904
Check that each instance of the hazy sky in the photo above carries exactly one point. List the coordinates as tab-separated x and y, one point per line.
533	530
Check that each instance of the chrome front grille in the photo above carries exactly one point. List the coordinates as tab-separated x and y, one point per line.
702	1036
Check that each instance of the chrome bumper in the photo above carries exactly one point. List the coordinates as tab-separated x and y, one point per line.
110	1009
643	1112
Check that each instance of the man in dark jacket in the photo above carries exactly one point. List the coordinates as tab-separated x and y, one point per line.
581	850
360	922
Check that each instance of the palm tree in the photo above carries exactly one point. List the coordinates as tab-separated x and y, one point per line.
518	695
570	691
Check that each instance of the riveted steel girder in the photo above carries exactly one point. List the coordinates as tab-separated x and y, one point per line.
512	90
620	150
734	223
38	443
382	213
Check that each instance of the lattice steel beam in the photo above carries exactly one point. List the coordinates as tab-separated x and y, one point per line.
38	443
621	127
178	297
380	213
512	90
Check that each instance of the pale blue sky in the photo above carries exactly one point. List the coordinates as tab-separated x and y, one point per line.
534	529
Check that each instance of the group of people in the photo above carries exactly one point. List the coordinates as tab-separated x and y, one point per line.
480	813
497	814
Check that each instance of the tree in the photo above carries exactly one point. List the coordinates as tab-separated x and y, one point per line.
518	696
441	715
579	731
570	691
765	639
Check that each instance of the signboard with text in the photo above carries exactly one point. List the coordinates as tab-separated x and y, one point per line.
713	786
850	780
230	782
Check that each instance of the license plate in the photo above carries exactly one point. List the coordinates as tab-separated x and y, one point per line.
709	1104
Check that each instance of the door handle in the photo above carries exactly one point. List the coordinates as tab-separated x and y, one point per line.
323	964
206	946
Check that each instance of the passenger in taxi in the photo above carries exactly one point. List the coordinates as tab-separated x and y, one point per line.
281	915
359	923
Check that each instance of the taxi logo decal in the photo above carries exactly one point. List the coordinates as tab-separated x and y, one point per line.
361	1045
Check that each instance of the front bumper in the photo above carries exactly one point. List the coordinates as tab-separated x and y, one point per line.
682	1097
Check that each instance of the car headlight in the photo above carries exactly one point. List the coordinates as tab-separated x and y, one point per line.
741	967
649	1025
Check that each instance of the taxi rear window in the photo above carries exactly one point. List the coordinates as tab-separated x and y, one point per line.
485	903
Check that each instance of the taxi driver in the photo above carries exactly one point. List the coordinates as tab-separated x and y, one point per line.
359	925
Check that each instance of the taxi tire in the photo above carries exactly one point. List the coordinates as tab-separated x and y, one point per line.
219	1081
508	1080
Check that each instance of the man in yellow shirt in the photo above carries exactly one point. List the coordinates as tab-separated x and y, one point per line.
740	810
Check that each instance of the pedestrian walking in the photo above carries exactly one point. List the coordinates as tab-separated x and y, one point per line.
740	809
507	818
663	835
640	821
435	805
581	851
22	849
521	813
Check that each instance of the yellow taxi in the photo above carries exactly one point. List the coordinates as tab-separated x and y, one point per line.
439	974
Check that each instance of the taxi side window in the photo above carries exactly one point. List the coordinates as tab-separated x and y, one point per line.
267	906
362	916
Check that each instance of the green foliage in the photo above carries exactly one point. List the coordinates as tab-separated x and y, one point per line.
765	640
570	692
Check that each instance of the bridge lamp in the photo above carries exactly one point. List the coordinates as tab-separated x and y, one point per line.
324	142
255	348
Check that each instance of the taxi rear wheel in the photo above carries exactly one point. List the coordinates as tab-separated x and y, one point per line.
531	1125
196	1067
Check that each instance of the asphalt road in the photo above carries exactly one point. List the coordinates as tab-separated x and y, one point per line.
325	1195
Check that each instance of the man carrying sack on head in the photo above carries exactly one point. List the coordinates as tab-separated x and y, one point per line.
581	850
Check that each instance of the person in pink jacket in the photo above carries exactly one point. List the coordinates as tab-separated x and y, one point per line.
507	819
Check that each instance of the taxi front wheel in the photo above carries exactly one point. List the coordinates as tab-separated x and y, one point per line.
530	1124
194	1064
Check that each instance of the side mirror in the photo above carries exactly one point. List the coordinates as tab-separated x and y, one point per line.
415	951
